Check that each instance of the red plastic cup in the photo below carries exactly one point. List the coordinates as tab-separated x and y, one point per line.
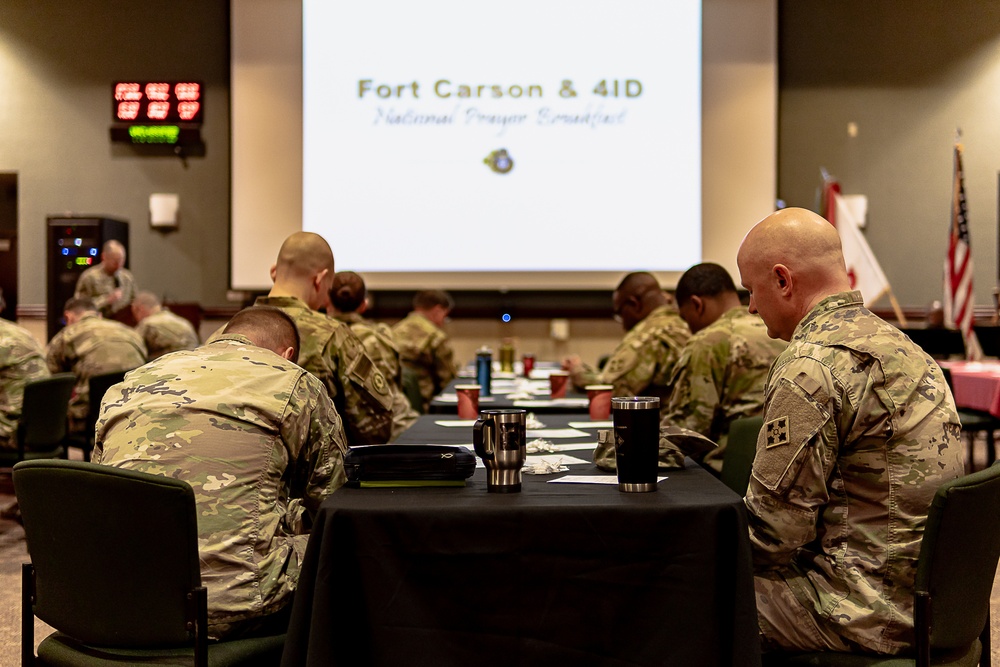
529	362
468	401
599	396
558	381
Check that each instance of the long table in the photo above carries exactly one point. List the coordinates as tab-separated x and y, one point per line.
503	396
559	574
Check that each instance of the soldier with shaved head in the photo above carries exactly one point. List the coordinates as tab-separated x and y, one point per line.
860	430
303	275
259	441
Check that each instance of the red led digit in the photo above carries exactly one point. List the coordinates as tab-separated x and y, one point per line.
188	110
187	91
127	92
158	91
128	110
158	110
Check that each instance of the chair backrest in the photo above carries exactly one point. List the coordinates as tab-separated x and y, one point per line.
115	552
958	557
43	412
989	339
410	384
98	386
939	343
741	447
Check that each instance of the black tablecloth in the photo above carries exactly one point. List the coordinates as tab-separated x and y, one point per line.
559	574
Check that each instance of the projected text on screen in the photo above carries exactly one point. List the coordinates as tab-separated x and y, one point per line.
534	136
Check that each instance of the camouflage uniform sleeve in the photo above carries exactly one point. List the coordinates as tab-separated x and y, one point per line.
87	286
583	375
55	354
127	284
629	370
796	450
696	381
444	365
314	434
366	398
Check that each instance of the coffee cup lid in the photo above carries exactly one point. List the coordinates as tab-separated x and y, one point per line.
599	387
468	387
635	402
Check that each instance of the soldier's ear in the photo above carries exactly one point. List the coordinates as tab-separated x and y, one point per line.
698	304
288	354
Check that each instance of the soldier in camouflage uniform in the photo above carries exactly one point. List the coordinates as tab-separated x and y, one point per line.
161	330
860	430
252	433
423	345
720	374
109	284
643	362
348	302
91	345
330	350
21	361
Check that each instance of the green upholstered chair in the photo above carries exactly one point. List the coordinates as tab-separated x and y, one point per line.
97	385
41	429
955	572
115	570
411	389
741	447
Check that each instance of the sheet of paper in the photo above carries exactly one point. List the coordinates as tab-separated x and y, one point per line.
591	479
554	433
553	402
466	423
598	424
574	446
453	398
555	459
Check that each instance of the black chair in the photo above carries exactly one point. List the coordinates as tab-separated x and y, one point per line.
41	429
974	422
97	385
115	570
939	343
955	572
741	447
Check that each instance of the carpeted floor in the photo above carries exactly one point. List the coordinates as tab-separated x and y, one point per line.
13	552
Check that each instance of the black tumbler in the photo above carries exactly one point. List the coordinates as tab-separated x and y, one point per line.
637	441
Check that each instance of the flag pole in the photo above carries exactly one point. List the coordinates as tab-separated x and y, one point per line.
900	317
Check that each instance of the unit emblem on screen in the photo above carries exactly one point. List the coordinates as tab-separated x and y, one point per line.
499	161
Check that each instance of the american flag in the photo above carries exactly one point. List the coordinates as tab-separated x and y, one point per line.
959	302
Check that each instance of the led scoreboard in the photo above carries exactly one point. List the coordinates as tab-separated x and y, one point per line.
156	112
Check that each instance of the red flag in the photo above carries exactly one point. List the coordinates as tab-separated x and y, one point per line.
959	301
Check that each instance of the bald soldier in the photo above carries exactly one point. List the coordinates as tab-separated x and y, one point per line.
719	376
302	278
348	302
109	284
251	432
161	330
642	363
860	430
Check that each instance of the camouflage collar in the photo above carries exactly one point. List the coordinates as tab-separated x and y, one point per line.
349	318
828	305
282	302
233	338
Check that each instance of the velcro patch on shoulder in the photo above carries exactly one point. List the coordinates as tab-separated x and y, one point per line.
783	442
